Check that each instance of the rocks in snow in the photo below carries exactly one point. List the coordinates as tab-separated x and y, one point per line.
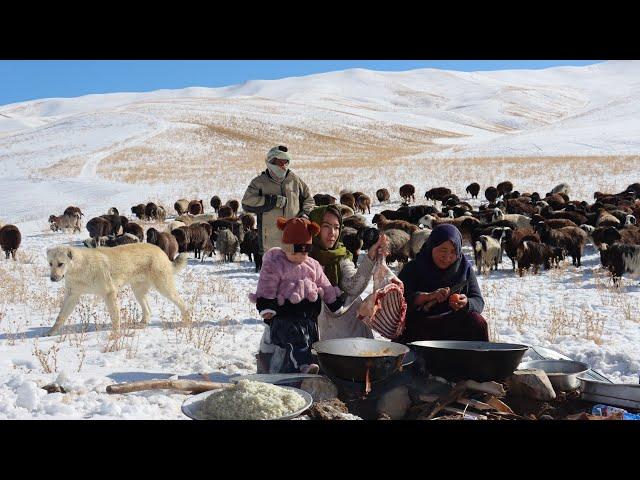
531	383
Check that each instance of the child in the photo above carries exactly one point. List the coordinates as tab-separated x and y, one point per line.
290	289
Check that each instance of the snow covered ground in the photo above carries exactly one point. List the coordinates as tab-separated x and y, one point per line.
57	152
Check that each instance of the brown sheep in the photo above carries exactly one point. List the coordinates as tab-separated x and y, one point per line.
235	206
364	203
151	211
576	217
437	193
346	211
182	238
64	222
504	187
383	195
200	240
384	224
356	195
165	241
250	246
196	207
324	199
215	203
572	239
117	222
356	222
605	219
10	239
248	221
349	200
521	206
225	212
71	210
534	254
408	192
139	211
556	201
99	227
393	215
181	206
515	239
553	222
134	229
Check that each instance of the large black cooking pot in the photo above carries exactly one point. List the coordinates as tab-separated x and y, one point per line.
351	358
464	360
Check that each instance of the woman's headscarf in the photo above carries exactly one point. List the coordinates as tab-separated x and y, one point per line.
329	258
430	277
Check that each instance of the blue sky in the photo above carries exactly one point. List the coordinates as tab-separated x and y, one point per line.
22	80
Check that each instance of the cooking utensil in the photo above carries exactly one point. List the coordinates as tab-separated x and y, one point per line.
617	394
541	353
192	406
360	359
467	360
563	374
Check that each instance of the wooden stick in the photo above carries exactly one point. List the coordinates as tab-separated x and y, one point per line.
499	405
451	397
194	386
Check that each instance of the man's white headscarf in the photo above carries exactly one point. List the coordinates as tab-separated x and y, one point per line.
280	153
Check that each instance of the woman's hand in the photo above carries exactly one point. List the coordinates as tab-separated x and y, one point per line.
439	296
458	301
381	247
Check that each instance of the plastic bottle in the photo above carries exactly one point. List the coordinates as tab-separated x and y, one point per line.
606	410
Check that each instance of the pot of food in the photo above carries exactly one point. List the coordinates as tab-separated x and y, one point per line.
467	360
563	374
360	359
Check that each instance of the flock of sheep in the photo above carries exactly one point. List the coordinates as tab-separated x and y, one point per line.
533	230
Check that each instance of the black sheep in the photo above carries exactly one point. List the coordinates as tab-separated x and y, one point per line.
216	203
10	239
473	189
621	258
250	246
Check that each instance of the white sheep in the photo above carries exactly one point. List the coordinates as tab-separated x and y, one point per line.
417	240
561	188
227	244
521	221
487	252
203	217
173	225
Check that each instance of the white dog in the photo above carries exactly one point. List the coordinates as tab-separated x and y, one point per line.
103	271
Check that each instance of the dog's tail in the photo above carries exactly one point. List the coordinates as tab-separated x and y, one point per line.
180	262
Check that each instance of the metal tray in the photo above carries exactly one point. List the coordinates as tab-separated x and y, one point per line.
192	407
618	394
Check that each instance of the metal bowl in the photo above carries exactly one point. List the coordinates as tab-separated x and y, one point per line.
192	407
469	360
563	374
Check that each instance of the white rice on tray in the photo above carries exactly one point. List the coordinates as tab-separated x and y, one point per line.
250	400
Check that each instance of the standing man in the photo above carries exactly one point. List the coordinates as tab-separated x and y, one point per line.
276	192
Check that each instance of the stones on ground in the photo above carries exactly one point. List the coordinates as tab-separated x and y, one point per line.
532	383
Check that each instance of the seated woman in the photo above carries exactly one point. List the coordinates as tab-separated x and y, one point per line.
443	297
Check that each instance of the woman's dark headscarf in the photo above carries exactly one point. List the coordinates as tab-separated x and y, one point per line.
430	277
